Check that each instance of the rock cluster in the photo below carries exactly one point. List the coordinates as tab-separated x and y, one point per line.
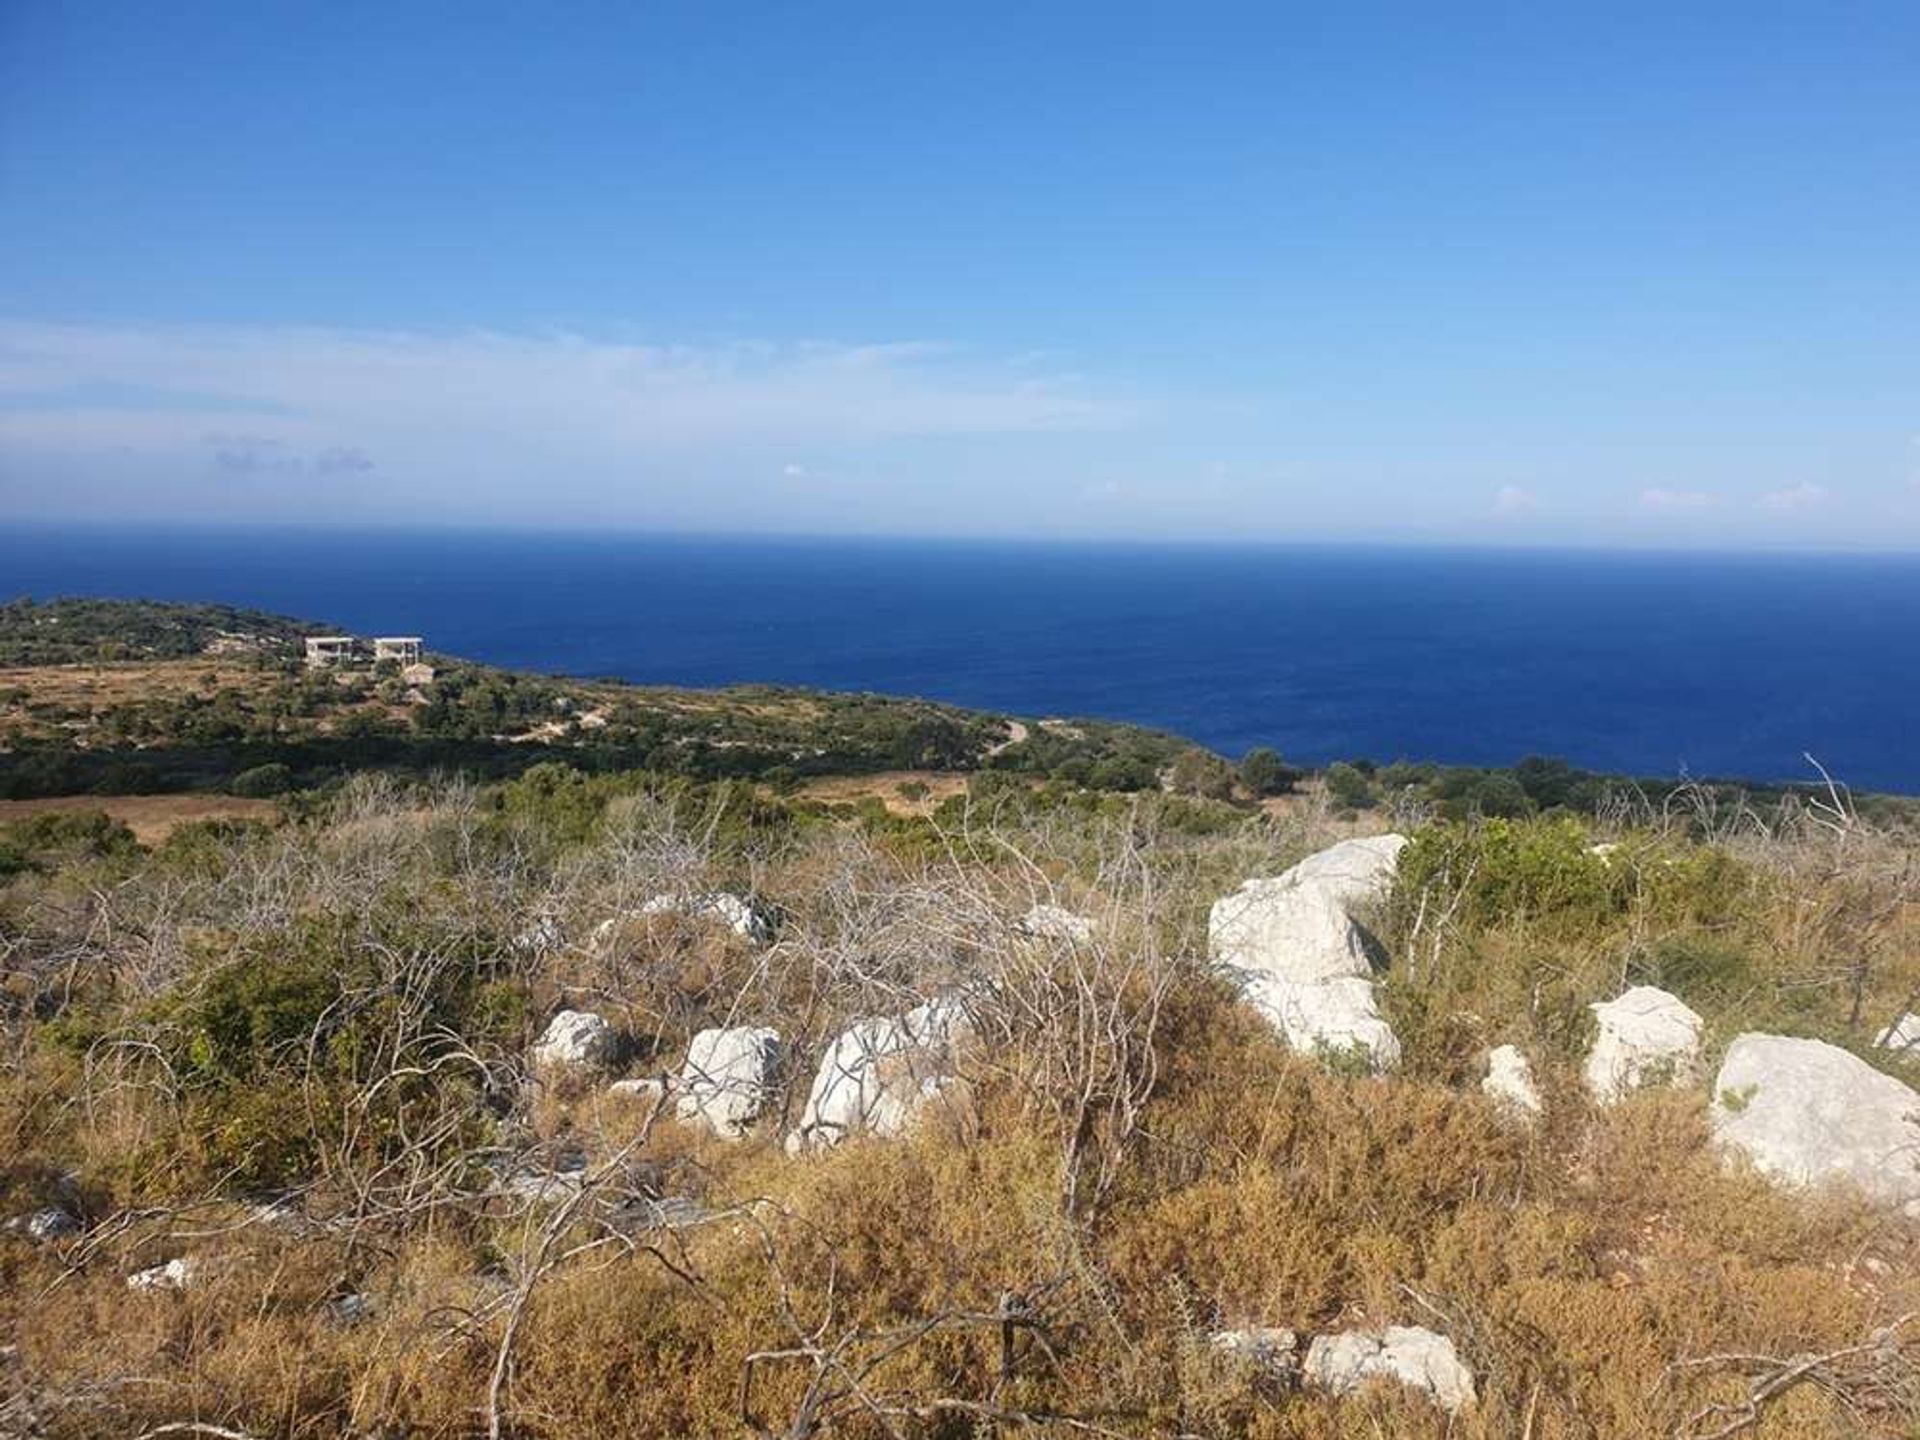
750	919
1300	955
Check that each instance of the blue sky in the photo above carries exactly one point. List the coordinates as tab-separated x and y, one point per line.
1624	274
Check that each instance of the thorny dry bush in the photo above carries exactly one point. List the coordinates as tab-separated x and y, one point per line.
298	1059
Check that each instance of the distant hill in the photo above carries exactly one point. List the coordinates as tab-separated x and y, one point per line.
76	631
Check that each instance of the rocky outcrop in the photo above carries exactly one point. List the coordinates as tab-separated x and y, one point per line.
727	1078
1805	1114
1331	1018
880	1074
1510	1082
1646	1037
1415	1357
574	1040
1052	922
1302	958
750	919
1299	925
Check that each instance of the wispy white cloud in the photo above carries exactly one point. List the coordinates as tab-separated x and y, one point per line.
1511	500
1657	499
447	408
1803	496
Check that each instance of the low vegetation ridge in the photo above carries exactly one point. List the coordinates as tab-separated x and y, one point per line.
129	697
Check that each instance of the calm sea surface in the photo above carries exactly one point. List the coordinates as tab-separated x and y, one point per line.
1644	663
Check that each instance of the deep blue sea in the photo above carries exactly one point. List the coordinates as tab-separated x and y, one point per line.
1652	664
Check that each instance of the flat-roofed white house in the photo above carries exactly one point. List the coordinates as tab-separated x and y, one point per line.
403	648
326	650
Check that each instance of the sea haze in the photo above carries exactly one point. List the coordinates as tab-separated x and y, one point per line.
1651	664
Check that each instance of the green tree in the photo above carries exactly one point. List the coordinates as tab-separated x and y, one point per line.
1263	772
1347	786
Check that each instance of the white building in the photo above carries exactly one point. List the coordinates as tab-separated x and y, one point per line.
328	650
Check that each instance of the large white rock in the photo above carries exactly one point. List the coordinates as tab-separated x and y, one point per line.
1805	1114
1646	1037
575	1040
728	1076
1510	1080
880	1073
1416	1357
1299	925
1051	922
1328	1017
747	918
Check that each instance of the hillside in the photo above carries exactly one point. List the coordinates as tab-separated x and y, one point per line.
135	696
411	1116
127	698
563	1098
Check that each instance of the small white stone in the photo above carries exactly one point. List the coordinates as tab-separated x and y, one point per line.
1051	922
1902	1034
575	1039
174	1275
1416	1357
1510	1080
50	1223
1646	1036
746	917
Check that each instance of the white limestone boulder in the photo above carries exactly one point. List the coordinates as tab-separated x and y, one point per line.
1052	922
1646	1037
1808	1114
880	1074
574	1040
1299	925
1415	1357
728	1077
1509	1081
1328	1017
748	918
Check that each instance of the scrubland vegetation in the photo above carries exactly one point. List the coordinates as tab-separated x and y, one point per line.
295	1057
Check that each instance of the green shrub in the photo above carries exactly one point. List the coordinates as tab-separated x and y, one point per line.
262	782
